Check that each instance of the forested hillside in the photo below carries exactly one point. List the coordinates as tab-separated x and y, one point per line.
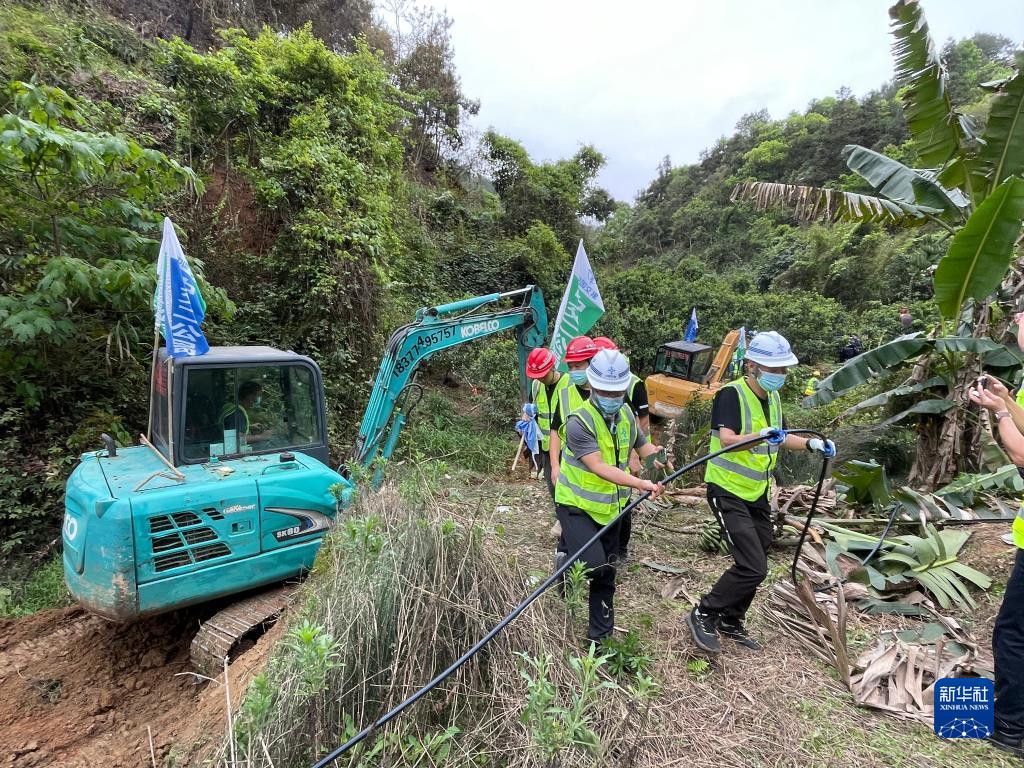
324	190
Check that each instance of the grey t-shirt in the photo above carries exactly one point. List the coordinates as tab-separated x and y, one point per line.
581	442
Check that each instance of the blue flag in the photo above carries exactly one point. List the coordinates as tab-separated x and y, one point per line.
178	305
691	327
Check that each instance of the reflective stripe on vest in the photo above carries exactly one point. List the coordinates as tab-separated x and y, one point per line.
569	401
544	409
747	473
1018	528
578	486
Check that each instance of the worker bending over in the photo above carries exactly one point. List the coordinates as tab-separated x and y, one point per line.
541	369
594	482
738	486
636	399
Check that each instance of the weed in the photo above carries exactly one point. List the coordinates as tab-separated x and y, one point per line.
576	589
44	588
626	655
698	668
560	723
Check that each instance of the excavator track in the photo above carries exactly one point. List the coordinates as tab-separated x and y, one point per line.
221	633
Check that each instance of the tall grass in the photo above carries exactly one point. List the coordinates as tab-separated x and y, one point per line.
396	595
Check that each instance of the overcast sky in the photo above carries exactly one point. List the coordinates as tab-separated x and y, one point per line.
644	79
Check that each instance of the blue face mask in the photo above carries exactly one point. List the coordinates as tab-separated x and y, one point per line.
609	406
771	382
578	377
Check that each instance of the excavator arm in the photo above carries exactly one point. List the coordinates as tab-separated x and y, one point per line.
395	391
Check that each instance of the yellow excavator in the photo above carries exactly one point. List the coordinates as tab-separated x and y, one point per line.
684	370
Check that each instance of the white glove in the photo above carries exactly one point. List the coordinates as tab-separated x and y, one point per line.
825	447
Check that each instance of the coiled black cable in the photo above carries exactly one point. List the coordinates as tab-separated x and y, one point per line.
515	613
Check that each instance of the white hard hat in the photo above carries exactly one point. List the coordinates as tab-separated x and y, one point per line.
770	348
609	371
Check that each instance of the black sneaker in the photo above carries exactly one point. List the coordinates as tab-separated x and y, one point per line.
702	627
1015	746
736	632
560	582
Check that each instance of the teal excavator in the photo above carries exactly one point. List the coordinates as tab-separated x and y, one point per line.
232	492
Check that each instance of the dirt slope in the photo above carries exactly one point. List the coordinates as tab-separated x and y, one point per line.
76	690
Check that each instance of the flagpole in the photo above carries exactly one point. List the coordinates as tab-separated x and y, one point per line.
152	383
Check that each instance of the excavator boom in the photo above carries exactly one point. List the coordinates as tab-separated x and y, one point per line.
437	328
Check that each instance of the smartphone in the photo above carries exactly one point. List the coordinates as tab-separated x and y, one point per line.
984	382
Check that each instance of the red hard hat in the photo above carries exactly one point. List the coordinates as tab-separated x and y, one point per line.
603	342
580	349
539	362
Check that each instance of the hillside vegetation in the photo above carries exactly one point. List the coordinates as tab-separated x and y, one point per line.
324	191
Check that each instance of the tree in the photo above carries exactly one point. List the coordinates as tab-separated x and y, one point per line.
976	195
77	209
557	193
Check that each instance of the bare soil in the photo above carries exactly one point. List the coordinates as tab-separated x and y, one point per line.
77	690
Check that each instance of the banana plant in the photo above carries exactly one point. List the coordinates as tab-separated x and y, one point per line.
972	188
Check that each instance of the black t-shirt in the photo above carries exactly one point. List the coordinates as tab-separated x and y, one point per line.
557	417
638	402
725	412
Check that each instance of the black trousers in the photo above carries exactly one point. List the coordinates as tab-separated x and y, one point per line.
625	531
747	527
545	463
577	528
1008	652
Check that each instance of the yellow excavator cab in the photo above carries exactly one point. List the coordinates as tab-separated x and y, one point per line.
684	370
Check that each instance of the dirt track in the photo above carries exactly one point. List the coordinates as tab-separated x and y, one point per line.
76	690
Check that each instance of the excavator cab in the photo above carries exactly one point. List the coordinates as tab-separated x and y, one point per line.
684	370
684	360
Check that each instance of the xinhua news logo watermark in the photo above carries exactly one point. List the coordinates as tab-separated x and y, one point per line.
964	708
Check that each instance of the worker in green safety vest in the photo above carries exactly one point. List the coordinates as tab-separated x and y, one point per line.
541	369
739	486
236	415
812	384
636	399
571	392
595	483
1008	630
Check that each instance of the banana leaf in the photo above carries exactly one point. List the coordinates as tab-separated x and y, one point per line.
933	406
939	131
863	482
976	577
886	397
818	203
1002	154
980	251
895	181
964	344
1005	478
867	366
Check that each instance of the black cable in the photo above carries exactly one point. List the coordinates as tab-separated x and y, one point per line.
518	610
814	503
885	532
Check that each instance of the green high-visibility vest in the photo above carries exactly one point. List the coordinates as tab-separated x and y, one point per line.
228	409
1018	528
569	400
578	486
545	410
811	386
748	473
1020	396
633	381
